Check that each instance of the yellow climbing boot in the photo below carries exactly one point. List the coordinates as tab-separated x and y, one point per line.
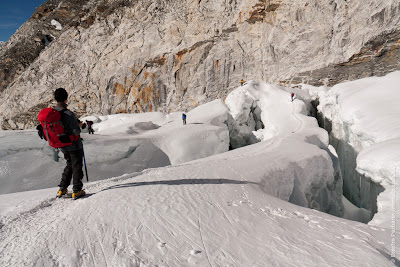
78	194
62	192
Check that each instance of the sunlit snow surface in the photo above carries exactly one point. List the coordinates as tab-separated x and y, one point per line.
211	207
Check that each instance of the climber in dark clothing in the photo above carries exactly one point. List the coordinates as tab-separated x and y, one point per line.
73	154
89	125
184	118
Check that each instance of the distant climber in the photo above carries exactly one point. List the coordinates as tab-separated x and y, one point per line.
62	130
292	96
241	82
184	118
89	125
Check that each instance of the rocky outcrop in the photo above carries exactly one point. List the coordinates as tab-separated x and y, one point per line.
378	57
37	33
134	56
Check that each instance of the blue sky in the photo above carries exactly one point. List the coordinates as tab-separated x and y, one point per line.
14	13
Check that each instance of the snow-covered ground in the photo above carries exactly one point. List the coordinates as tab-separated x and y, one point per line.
210	207
365	115
121	144
186	215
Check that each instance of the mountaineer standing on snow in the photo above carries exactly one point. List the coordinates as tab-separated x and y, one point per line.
184	118
89	125
73	153
292	95
65	136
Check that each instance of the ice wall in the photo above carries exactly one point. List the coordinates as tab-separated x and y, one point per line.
361	116
357	188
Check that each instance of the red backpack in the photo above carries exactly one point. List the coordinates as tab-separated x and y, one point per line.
54	130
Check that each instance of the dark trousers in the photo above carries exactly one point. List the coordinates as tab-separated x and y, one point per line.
73	170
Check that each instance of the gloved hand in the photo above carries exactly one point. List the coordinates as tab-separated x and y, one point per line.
41	132
84	125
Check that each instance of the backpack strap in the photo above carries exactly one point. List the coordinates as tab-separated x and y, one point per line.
67	132
62	116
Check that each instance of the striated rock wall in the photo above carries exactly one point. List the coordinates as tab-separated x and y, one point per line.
116	56
378	57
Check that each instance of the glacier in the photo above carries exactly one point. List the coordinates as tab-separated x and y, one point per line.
164	193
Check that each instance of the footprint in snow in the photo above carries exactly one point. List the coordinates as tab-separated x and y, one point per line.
161	247
195	256
135	252
278	212
344	237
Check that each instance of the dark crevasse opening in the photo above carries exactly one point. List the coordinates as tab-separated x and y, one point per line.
357	188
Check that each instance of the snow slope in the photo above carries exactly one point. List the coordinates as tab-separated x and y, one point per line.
227	209
365	114
187	215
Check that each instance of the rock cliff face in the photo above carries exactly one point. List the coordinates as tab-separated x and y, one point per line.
118	56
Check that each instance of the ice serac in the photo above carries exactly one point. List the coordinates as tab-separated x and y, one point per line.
205	134
293	160
119	56
245	117
363	119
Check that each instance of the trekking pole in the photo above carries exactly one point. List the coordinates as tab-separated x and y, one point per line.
84	160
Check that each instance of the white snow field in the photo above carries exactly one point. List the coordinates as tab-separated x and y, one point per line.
210	207
366	115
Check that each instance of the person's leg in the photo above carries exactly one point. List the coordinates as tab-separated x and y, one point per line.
77	173
67	174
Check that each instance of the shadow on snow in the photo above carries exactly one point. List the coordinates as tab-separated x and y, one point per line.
180	182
